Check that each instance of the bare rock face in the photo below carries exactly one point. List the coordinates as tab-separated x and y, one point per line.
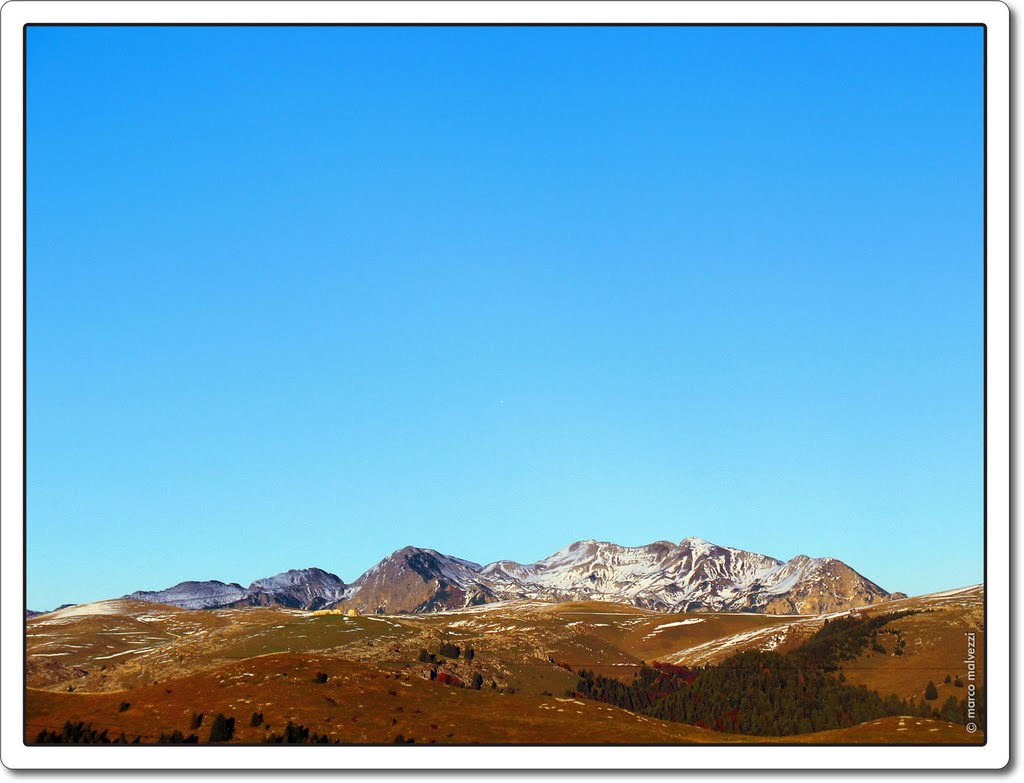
693	575
418	580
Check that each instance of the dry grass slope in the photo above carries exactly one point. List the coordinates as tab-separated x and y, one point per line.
169	663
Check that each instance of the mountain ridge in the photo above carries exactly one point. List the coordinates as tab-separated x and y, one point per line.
693	575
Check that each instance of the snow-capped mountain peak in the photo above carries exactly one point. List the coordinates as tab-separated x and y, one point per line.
693	575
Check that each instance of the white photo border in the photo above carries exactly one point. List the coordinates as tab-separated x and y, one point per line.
993	755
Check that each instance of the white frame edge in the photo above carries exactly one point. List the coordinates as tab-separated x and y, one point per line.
995	754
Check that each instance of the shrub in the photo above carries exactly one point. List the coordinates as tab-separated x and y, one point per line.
478	681
297	734
125	705
958	683
197	720
81	734
449	679
223	729
177	738
470	653
449	650
256	719
321	678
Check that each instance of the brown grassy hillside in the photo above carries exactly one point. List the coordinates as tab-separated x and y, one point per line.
86	662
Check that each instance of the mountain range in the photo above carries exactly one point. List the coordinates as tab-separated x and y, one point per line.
693	575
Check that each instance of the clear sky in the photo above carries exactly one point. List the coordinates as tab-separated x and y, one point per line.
303	296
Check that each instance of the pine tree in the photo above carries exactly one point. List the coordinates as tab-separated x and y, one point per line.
951	710
931	692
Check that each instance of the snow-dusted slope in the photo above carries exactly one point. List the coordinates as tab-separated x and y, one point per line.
306	588
693	575
193	595
661	575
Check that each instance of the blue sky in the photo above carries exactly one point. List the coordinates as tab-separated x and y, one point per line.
303	296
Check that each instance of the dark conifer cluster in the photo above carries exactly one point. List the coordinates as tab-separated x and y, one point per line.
770	693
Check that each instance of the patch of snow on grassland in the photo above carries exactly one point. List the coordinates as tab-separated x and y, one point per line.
762	638
687	621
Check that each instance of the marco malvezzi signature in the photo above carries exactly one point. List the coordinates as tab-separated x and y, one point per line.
972	688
